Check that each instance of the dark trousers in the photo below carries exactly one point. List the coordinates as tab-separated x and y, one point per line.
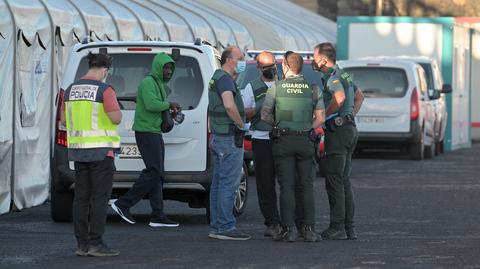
150	182
93	189
294	166
339	148
265	179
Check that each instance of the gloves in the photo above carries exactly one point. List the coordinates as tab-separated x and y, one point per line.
244	129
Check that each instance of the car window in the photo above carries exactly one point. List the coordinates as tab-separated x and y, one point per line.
423	83
251	73
428	75
380	82
129	69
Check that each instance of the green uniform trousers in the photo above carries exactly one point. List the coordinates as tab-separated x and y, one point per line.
294	165
339	147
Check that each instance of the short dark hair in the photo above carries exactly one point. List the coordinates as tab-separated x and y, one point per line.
227	53
294	61
328	50
99	60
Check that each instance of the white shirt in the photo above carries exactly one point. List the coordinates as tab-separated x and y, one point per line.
249	102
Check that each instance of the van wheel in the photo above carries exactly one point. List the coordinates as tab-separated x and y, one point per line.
430	151
417	148
241	194
61	204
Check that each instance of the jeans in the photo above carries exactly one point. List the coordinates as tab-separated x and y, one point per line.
227	171
93	189
152	148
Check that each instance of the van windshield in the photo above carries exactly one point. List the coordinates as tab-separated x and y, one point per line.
129	69
379	82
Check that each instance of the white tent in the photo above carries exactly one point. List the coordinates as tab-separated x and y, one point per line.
36	36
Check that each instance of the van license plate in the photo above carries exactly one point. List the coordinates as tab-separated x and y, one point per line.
370	120
129	151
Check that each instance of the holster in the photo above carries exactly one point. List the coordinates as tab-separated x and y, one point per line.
239	135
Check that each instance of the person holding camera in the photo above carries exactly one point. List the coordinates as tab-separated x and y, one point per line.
151	103
226	121
294	108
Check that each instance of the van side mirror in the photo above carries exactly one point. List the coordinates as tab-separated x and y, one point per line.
446	88
433	94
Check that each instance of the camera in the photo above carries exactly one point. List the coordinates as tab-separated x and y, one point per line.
179	117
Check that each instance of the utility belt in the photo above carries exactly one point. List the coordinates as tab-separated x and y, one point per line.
238	134
276	133
340	121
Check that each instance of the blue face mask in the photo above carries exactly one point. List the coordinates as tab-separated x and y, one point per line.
241	65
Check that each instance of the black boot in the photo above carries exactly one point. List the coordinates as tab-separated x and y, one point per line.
287	234
310	235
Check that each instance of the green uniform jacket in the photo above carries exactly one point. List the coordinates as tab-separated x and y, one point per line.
151	98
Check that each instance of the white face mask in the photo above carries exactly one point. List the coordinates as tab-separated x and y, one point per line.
105	77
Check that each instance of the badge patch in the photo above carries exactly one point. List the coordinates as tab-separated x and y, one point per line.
83	92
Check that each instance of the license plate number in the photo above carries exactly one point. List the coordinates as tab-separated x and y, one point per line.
129	151
371	120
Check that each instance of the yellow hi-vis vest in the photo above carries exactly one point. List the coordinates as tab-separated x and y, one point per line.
88	125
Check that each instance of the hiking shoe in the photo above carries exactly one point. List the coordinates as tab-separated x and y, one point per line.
351	233
310	235
334	234
102	250
271	230
81	250
123	212
232	235
287	234
163	223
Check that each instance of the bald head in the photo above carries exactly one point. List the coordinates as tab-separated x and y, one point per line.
265	58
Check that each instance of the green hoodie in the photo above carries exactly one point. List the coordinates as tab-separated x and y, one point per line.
151	97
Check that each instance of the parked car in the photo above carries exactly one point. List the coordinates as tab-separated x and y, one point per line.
188	166
435	82
398	110
251	73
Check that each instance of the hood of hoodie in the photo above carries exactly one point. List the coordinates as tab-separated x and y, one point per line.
157	66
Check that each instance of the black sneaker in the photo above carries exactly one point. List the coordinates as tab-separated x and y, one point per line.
310	235
102	250
271	230
82	250
287	234
334	234
232	235
123	212
163	223
351	233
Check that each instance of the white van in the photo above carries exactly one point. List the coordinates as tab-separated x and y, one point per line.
188	166
398	110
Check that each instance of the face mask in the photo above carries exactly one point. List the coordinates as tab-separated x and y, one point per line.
315	66
270	73
241	65
104	80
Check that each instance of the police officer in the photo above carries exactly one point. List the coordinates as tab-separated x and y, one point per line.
342	101
227	125
91	114
294	108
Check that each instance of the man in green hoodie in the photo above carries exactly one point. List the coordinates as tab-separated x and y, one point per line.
151	101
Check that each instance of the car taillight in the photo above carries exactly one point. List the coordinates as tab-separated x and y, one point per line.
247	144
61	133
414	105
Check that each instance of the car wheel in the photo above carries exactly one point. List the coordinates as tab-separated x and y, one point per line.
242	193
417	148
61	204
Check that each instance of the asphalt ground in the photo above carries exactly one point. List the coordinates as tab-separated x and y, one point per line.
410	214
